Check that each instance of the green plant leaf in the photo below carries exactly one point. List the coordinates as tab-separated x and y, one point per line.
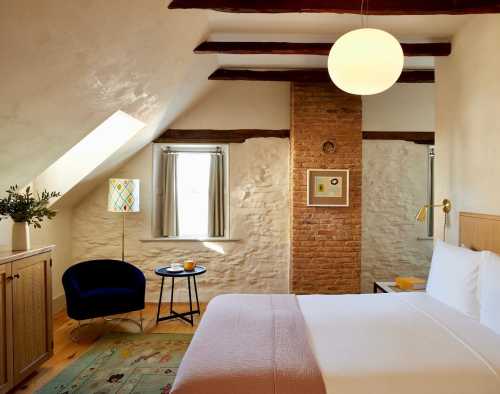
24	207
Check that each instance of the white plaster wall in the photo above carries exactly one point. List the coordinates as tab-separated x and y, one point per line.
394	188
56	232
468	122
259	215
404	107
5	234
240	105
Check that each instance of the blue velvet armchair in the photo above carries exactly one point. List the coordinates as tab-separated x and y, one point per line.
100	288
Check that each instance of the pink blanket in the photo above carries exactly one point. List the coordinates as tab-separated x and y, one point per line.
250	344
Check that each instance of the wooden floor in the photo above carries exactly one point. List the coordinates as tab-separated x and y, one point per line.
65	350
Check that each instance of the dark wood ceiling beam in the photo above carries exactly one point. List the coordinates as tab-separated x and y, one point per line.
375	7
305	75
418	137
204	136
299	48
218	136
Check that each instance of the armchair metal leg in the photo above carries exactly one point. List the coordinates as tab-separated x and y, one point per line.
75	332
126	319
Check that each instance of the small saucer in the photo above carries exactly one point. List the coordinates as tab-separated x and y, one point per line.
175	269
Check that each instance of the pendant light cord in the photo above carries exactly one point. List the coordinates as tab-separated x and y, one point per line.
364	13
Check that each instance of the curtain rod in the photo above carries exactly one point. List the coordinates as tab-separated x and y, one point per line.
174	152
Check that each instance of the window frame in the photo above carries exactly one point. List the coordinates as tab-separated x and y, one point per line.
157	185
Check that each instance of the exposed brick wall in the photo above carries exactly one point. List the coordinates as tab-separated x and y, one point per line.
326	241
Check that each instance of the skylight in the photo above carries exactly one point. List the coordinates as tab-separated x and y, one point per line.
89	153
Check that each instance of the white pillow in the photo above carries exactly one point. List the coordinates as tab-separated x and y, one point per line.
489	291
454	276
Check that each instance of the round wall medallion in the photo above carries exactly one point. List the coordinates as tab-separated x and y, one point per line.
329	147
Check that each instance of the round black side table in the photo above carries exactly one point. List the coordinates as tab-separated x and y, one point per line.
198	270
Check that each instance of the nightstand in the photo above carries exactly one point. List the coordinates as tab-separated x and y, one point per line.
164	273
389	287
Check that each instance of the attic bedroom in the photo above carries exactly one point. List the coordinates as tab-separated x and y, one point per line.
232	197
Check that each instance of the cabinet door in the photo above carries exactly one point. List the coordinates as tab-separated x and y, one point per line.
32	311
6	374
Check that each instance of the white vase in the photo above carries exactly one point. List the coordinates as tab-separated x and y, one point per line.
20	236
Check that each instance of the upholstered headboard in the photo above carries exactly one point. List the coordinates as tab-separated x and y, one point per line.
480	231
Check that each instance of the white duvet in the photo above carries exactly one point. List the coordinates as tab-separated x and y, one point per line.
400	343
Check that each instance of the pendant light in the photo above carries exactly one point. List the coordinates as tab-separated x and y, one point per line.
365	61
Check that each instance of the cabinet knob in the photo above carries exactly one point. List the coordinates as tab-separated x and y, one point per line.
16	276
9	277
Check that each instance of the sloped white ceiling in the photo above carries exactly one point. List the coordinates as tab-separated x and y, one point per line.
66	66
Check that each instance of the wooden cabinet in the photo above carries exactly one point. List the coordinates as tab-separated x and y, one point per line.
25	315
32	309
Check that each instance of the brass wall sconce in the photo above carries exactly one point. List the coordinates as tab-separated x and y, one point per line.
446	205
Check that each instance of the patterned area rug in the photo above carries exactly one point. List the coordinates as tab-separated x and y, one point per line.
125	364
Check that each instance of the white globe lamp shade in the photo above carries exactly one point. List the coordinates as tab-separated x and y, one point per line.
366	61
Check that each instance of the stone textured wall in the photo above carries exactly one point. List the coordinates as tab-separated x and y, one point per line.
259	218
326	241
394	188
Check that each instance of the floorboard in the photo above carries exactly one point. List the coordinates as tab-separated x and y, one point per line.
65	350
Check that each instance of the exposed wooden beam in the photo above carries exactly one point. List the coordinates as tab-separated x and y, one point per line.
241	135
310	48
218	136
375	7
419	137
305	75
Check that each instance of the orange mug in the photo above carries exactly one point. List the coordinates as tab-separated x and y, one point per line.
189	265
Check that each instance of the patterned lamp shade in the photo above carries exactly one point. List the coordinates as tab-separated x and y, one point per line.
123	195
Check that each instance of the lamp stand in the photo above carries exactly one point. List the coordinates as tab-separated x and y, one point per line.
123	197
123	237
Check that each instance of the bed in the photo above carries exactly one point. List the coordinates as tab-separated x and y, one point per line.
396	343
345	344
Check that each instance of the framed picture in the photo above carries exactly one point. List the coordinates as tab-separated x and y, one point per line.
328	188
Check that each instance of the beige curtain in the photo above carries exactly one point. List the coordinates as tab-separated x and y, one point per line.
170	222
216	196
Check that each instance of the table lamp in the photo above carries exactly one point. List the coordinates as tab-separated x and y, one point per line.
123	197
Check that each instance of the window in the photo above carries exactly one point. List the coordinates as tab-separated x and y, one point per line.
191	191
192	188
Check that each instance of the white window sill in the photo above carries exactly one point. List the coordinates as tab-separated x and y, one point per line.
166	239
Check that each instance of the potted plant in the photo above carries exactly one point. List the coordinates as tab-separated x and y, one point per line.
25	209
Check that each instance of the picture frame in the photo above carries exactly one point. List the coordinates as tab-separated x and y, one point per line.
327	188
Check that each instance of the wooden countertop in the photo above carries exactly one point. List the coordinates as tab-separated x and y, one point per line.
7	256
